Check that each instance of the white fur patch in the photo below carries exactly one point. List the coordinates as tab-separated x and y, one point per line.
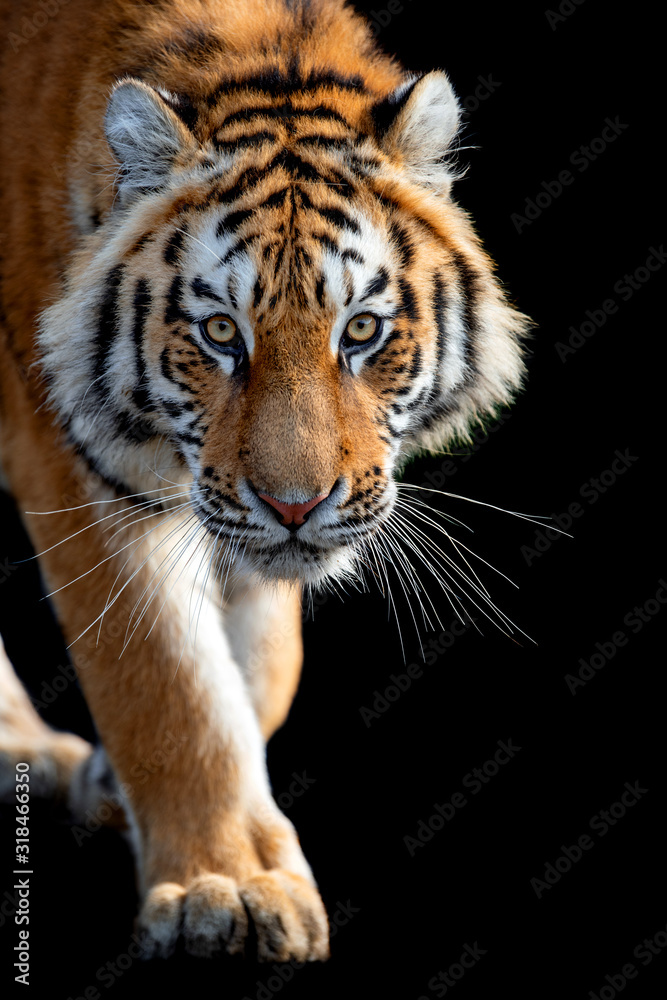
425	129
144	134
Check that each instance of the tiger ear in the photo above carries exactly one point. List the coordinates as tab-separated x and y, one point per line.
418	122
145	135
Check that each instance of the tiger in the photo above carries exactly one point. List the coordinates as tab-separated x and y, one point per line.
237	296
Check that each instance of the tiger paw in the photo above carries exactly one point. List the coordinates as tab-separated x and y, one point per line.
214	913
52	760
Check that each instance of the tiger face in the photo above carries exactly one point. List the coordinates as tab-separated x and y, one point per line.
282	304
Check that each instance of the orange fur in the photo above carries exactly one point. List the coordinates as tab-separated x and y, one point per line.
274	110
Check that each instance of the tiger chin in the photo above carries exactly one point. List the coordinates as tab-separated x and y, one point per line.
237	295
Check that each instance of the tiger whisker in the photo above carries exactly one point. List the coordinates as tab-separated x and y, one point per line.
189	531
112	600
143	563
183	543
416	585
483	595
144	517
457	496
438	527
204	245
92	503
110	603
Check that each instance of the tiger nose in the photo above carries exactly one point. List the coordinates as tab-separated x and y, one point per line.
292	515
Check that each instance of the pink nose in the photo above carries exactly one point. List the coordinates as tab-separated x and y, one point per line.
293	513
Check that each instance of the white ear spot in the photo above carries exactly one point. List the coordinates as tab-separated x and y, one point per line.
145	136
425	127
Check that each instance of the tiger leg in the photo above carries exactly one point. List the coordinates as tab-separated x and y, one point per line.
178	726
263	625
53	757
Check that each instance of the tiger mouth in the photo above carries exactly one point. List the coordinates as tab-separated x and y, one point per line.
297	561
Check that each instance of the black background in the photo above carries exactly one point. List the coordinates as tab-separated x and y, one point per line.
409	917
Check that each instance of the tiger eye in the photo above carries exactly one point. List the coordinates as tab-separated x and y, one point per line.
220	329
362	328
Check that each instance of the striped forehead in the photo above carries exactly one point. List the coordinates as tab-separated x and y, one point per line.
281	254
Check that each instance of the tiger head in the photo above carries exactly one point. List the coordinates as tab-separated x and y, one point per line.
282	304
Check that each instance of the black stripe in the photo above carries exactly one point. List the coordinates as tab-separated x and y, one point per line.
230	292
338	218
203	290
294	165
173	248
280	82
376	285
232	221
403	243
275	200
413	372
375	358
325	141
349	286
385	112
190	439
239	247
165	368
174	311
408	300
245	181
204	357
279	259
107	317
140	244
469	283
319	291
302	255
439	311
362	165
133	428
419	400
230	501
197	45
299	169
441	410
172	409
244	141
286	110
352	255
326	242
121	489
142	307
